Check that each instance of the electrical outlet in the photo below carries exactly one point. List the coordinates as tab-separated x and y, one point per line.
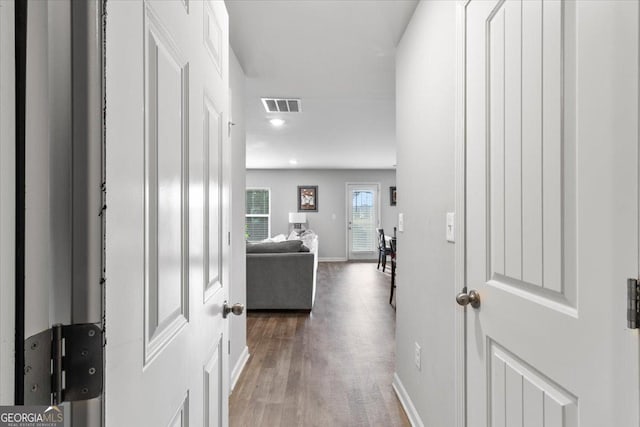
417	356
400	222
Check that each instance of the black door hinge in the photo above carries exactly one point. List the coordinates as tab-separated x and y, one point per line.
64	364
633	304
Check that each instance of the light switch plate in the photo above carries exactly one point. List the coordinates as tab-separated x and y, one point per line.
451	221
400	222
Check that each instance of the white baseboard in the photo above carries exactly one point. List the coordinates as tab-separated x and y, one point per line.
406	402
332	259
237	370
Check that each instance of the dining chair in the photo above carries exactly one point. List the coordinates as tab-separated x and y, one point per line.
393	244
383	249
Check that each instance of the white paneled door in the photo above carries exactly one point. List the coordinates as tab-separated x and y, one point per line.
552	212
167	203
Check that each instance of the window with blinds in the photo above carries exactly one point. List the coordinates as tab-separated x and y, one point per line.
363	221
258	214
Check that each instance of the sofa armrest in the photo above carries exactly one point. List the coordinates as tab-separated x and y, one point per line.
280	281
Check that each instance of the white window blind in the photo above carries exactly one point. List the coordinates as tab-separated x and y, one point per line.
363	226
258	214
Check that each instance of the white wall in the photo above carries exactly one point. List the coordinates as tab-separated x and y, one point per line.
237	291
425	73
330	220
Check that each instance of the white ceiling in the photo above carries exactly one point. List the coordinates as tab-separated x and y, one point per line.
338	57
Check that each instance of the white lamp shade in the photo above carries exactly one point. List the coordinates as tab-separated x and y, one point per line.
297	217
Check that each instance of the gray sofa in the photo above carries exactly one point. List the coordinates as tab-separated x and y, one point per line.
279	280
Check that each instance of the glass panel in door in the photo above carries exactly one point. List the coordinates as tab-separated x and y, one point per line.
363	220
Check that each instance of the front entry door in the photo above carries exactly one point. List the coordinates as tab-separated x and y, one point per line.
552	212
362	217
166	259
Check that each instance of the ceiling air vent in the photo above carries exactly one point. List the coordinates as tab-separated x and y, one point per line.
280	105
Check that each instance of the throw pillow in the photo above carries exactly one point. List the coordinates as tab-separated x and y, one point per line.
276	247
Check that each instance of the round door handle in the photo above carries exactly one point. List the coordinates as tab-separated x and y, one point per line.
465	298
236	309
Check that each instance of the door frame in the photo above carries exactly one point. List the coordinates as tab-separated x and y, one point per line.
8	207
346	214
83	55
459	284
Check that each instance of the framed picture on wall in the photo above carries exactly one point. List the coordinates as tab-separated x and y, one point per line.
307	198
392	195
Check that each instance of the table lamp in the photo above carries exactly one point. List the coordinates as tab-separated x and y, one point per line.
297	219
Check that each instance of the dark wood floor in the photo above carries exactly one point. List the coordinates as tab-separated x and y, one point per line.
333	367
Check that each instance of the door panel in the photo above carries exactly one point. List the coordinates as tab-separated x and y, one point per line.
531	185
522	396
166	187
552	211
213	38
181	418
165	256
213	195
213	398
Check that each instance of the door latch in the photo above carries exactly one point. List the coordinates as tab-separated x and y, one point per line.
64	364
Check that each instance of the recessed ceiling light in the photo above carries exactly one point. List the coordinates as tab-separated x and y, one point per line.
276	122
293	162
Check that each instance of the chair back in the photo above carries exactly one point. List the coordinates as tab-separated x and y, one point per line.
381	242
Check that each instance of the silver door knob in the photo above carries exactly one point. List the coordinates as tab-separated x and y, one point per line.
465	298
236	309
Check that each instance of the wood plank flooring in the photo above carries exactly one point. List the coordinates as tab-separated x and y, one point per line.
332	367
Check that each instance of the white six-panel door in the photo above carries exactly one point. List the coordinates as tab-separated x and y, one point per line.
166	258
552	212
